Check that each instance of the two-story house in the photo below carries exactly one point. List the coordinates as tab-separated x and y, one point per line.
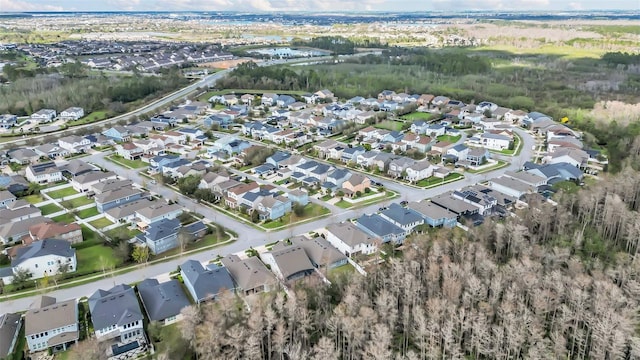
44	115
419	170
42	258
129	151
113	198
74	144
402	217
72	113
51	325
378	227
162	302
350	240
161	236
205	283
250	275
43	173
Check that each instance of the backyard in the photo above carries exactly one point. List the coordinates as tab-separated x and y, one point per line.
101	223
87	213
122	233
33	199
76	202
65	218
57	194
49	209
390	125
344	204
449	138
131	164
417	116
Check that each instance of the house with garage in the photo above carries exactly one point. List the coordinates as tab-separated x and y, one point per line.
74	144
42	258
250	275
351	240
205	283
321	253
512	187
576	157
419	170
377	226
350	154
162	301
459	151
51	325
402	217
43	173
433	214
53	230
6	198
288	263
43	115
298	196
356	183
117	197
477	156
72	113
554	173
117	133
157	211
23	156
129	151
268	99
51	151
455	205
161	235
495	141
117	319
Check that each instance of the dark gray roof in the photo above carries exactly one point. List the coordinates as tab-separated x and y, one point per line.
9	326
161	229
195	227
279	156
43	248
319	250
116	306
162	300
206	282
401	215
379	226
48	167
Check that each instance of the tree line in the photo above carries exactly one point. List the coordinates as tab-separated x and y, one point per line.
621	58
338	45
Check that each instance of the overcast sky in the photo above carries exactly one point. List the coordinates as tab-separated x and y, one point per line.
312	5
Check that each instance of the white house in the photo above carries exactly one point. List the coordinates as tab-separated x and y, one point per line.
460	151
43	173
72	113
419	170
350	240
157	212
495	141
74	143
116	314
51	324
43	257
44	115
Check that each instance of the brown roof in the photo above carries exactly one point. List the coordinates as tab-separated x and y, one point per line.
51	230
243	188
129	146
52	316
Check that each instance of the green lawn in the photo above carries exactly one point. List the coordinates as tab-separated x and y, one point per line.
57	194
96	258
517	147
89	235
435	181
87	213
340	271
94	116
346	205
131	164
418	116
65	218
122	232
499	165
50	209
33	199
390	125
100	223
449	138
310	211
208	240
76	202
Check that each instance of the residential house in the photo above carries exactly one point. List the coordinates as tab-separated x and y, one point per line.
157	212
268	99
405	218
398	166
324	94
336	178
157	163
441	147
576	157
350	154
13	230
129	151
71	233
247	99
42	258
284	101
288	263
109	185
234	194
563	142
23	156
229	99
162	302
476	197
74	144
382	161
392	137
205	283
219	120
8	121
10	326
77	167
386	95
477	156
321	253
298	196
117	319
277	158
44	115
126	213
118	197
356	183
433	214
6	198
459	151
43	173
377	226
161	235
419	127
512	187
527	178
325	147
171	169
250	275
231	145
117	133
211	178
16	184
72	113
495	141
272	207
554	173
51	325
164	119
350	240
51	151
419	170
455	205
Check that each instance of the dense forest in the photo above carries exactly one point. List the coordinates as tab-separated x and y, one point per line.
337	44
75	85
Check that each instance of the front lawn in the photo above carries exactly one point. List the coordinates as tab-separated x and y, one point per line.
310	211
49	209
65	218
76	202
449	138
517	147
57	194
101	223
131	164
417	116
87	213
96	258
435	181
33	199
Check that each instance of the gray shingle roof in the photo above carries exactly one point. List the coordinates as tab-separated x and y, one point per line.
116	306
43	248
401	215
206	282
379	226
319	250
292	260
161	229
162	300
350	234
248	273
9	326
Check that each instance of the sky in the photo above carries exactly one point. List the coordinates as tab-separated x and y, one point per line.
313	5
